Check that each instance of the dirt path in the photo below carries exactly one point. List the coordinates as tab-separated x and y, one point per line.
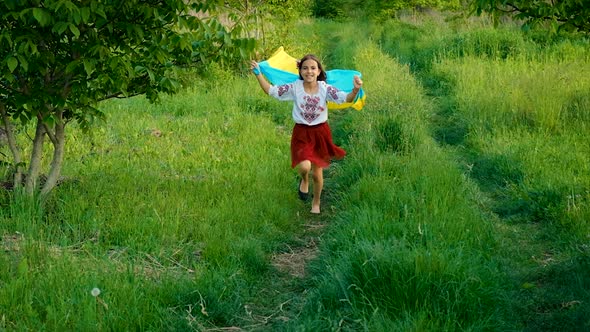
281	294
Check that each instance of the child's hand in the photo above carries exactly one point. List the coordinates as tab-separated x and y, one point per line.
357	82
254	67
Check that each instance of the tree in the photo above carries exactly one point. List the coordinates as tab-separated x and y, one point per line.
59	58
563	14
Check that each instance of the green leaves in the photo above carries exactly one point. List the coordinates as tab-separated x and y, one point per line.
74	30
89	65
42	16
12	63
559	15
65	54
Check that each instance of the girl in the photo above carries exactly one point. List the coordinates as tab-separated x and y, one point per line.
311	143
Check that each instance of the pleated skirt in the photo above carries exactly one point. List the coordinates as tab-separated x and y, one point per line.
314	143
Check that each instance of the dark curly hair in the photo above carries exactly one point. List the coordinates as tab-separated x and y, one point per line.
321	76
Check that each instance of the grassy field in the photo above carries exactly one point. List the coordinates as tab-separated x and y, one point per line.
463	202
513	111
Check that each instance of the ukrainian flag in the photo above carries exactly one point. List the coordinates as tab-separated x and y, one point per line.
281	68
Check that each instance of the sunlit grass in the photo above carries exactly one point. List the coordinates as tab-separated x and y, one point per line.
193	183
513	108
407	242
462	203
536	114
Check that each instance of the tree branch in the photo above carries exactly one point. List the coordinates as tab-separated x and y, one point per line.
58	155
36	156
16	155
515	8
117	95
50	134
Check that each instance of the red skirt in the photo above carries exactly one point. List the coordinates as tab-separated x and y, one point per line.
314	143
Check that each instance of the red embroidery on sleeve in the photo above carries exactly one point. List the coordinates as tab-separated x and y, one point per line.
333	92
283	89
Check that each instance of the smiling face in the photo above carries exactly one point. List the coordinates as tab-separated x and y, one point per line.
309	71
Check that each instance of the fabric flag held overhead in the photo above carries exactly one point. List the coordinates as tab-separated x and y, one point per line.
281	68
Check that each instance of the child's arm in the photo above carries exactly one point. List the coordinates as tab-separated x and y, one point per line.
261	80
358	83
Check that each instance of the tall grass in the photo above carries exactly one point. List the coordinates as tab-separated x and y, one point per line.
536	115
462	204
528	131
170	209
514	110
407	249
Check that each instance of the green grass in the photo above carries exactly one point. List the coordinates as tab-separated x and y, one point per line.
402	251
175	195
527	148
462	204
517	123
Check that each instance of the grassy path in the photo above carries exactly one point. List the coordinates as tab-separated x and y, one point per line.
543	261
281	293
533	272
382	260
185	214
542	275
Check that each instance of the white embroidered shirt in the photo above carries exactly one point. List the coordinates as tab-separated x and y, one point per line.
308	109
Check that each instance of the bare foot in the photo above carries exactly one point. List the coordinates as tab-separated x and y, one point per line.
315	209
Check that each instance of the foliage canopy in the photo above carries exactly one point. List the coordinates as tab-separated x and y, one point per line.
58	58
375	8
566	14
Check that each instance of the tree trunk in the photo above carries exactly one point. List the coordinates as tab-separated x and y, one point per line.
16	156
58	156
36	155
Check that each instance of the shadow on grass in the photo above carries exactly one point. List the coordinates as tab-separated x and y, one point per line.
448	126
554	296
542	294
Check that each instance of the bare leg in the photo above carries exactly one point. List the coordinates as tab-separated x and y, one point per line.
303	169
318	185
